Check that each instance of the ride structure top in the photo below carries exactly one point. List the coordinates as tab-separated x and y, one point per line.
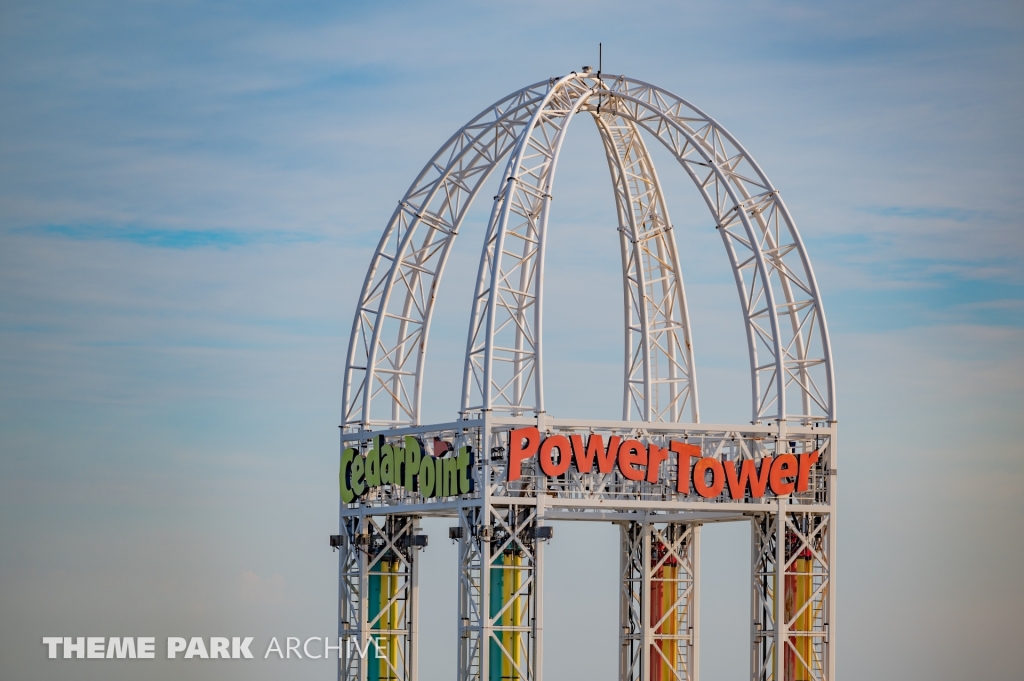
787	338
505	468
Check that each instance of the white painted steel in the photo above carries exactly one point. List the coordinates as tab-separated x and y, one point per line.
365	545
392	319
792	387
489	645
659	382
807	519
647	646
790	360
778	539
504	357
773	274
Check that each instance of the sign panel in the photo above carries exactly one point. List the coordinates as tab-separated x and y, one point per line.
430	474
439	470
707	476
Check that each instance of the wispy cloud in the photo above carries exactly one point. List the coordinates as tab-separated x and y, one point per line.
901	42
929	213
168	238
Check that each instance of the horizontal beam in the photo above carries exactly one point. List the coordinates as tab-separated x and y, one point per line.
768	506
624	516
366	433
592	509
660	427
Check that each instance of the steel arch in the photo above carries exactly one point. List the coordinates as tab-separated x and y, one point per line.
739	194
506	320
389	332
768	258
659	377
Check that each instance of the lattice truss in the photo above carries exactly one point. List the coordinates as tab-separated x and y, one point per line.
498	594
790	358
491	471
659	379
501	556
389	333
504	371
500	578
786	333
659	602
797	619
503	359
377	599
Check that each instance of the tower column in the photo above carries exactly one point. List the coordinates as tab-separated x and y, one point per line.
792	595
659	603
499	594
378	599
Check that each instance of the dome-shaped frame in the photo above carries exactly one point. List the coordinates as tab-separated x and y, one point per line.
787	337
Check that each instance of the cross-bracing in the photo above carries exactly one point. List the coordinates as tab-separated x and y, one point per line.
500	525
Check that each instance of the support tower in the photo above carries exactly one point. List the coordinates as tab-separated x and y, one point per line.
505	469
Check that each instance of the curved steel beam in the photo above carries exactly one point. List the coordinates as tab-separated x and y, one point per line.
773	273
505	350
504	358
765	251
660	376
389	332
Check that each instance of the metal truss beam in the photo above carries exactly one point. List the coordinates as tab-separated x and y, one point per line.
660	602
790	356
782	308
500	594
384	367
659	381
793	598
504	365
500	556
378	599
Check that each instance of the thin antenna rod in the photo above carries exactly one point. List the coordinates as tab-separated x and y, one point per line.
600	58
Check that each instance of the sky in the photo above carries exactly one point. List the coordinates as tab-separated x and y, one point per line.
190	194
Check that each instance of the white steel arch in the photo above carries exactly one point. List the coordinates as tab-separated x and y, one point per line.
504	364
392	319
504	361
659	380
786	332
782	308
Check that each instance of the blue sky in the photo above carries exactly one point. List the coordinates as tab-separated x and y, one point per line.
190	194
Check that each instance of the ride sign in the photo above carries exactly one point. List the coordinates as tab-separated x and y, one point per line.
707	476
